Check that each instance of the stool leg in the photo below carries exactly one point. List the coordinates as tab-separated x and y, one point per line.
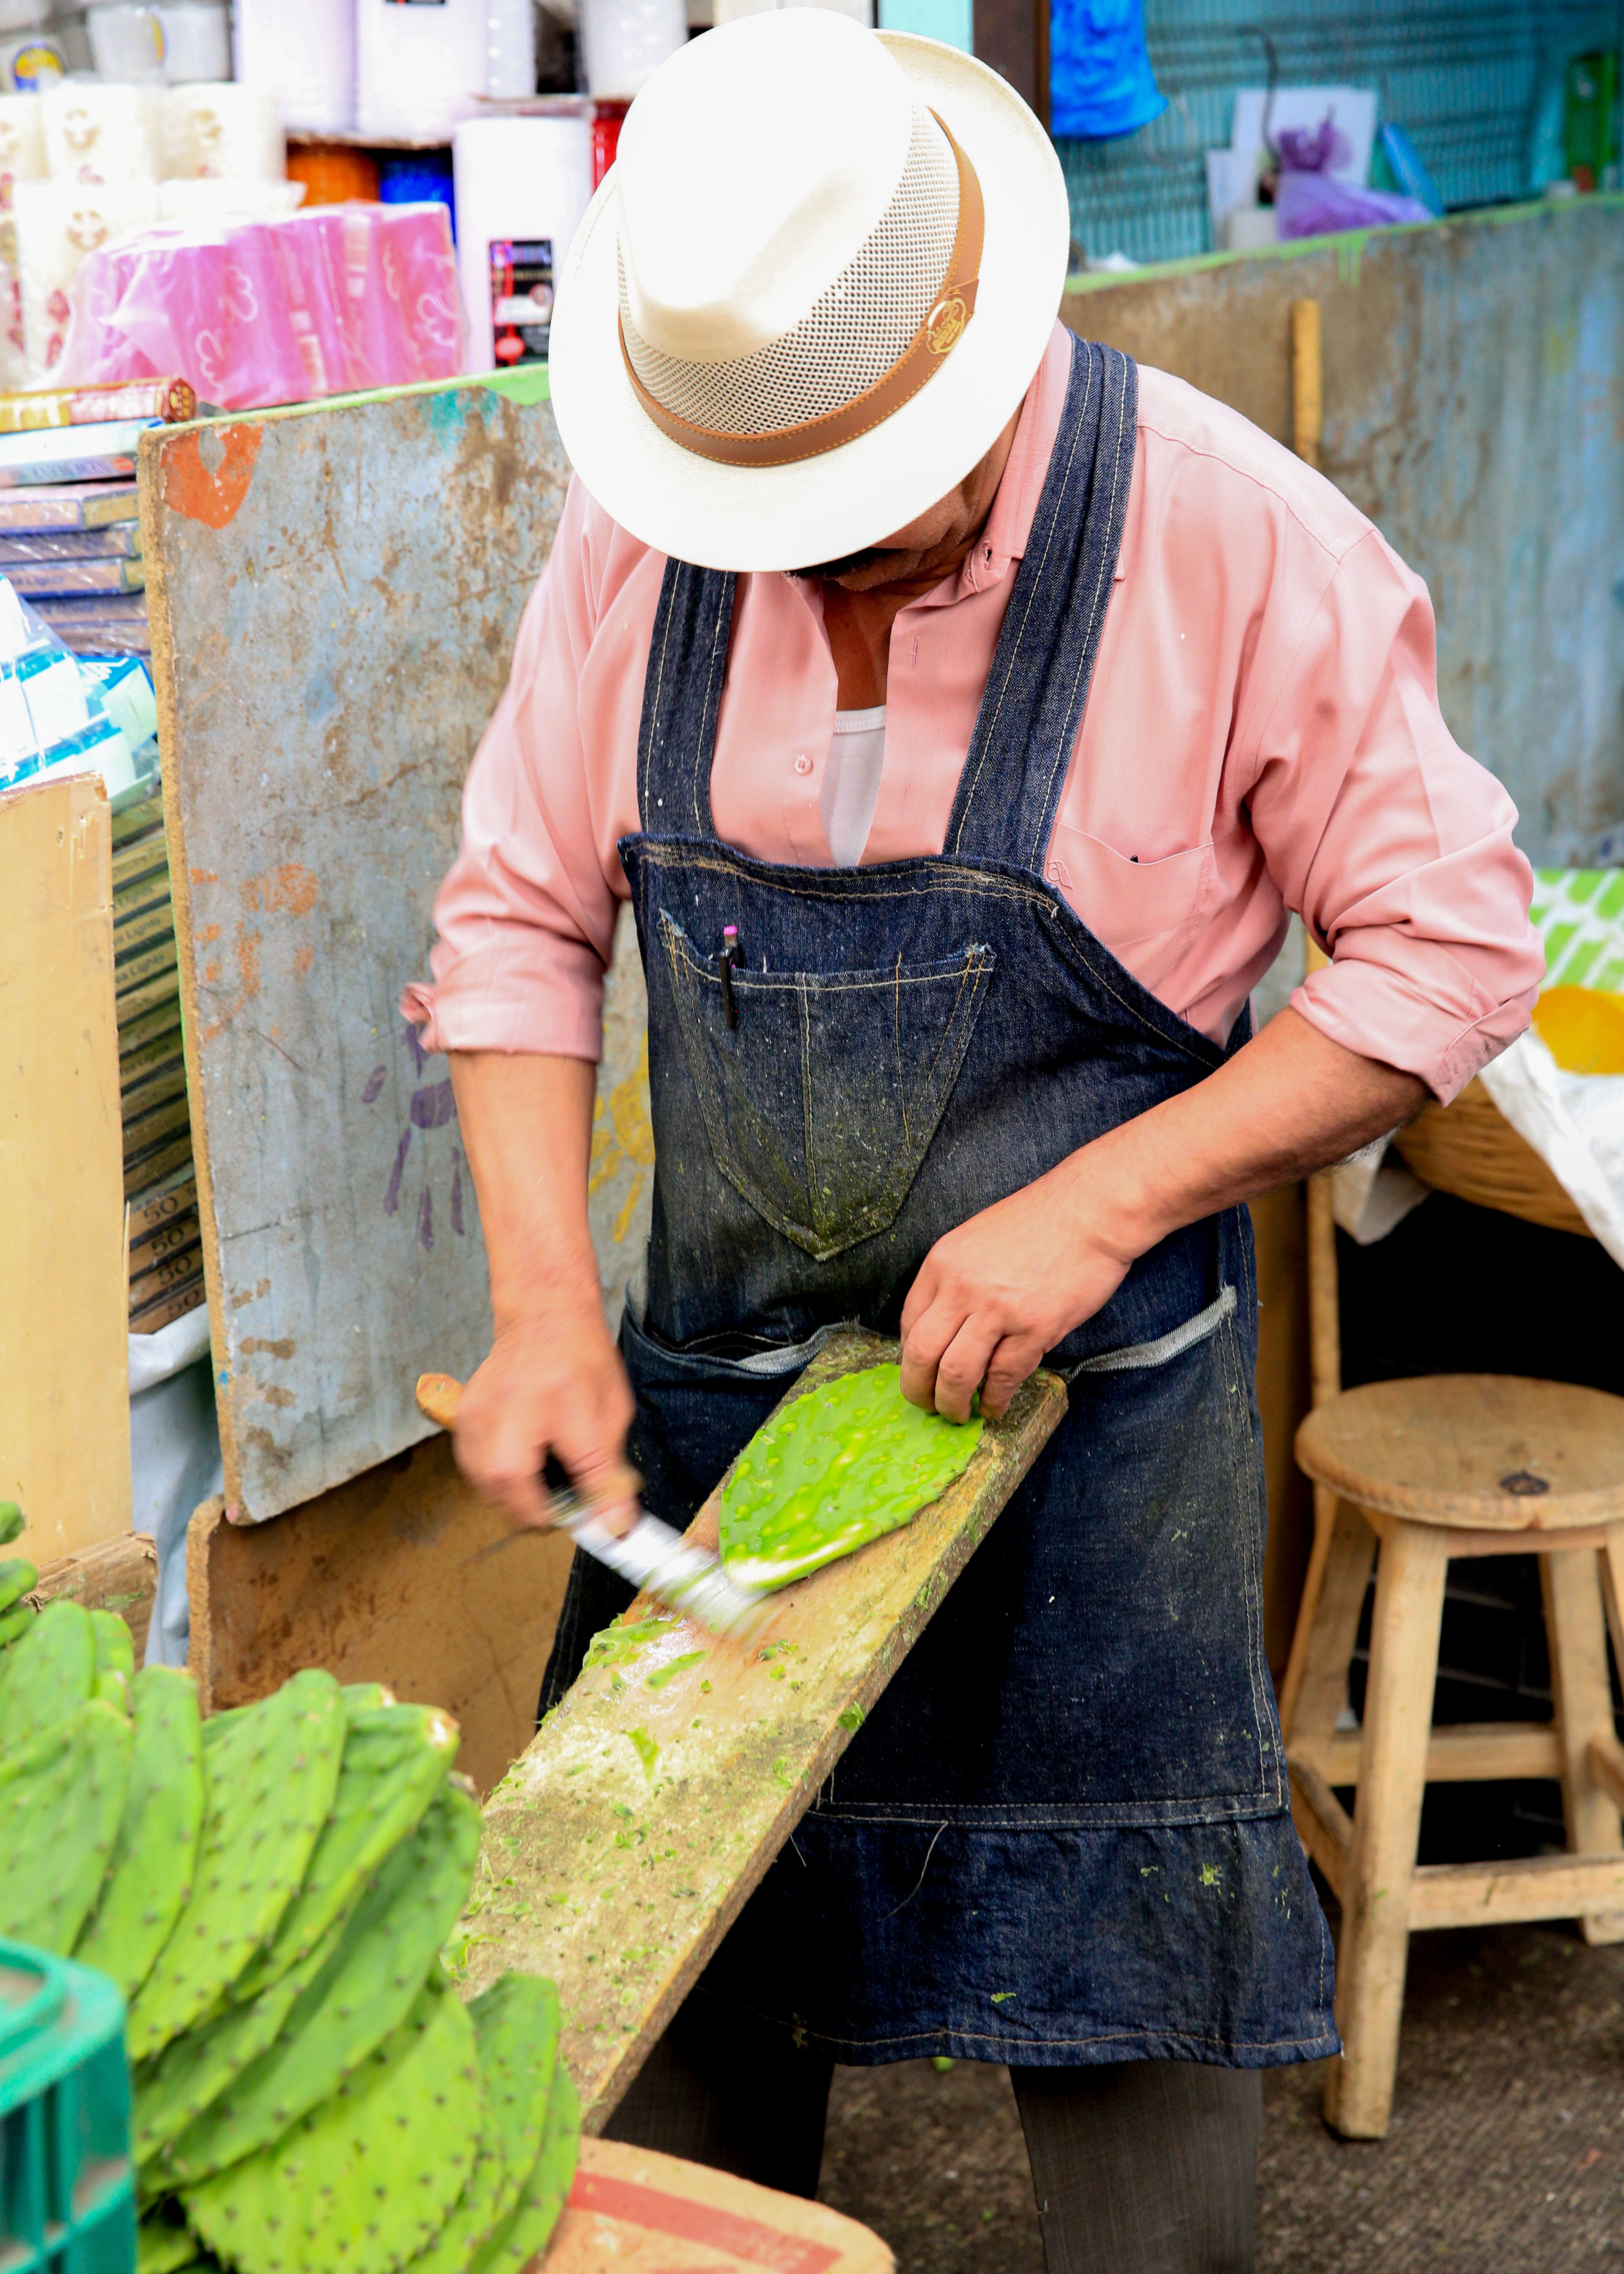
1577	1636
1375	1934
1315	1687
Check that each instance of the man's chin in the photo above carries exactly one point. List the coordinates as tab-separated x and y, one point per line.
857	571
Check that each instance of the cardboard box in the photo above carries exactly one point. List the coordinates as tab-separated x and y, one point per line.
641	2213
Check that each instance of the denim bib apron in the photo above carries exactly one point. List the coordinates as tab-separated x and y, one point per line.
1064	1835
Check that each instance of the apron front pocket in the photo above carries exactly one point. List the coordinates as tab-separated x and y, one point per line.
821	1101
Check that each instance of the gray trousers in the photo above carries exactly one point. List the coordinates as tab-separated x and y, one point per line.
1139	2167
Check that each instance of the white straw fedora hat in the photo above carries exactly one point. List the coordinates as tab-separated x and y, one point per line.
810	293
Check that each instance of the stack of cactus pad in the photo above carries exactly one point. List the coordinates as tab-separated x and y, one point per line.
270	1890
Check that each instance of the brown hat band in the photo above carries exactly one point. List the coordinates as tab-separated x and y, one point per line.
926	352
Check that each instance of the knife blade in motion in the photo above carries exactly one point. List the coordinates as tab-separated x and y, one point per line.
651	1555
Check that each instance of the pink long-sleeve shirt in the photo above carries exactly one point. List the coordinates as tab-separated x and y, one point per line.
1262	735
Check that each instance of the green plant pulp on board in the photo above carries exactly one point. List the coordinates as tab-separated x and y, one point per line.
840	1467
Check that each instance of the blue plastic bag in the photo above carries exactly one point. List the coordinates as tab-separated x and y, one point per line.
1100	80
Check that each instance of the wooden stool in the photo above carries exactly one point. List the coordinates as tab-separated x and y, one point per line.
1453	1465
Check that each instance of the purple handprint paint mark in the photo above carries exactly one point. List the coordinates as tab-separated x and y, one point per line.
392	1190
431	1105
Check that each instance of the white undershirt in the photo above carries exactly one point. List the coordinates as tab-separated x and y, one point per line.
851	783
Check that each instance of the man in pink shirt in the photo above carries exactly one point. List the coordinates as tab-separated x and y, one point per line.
961	709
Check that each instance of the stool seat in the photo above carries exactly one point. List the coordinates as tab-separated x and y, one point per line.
1479	1451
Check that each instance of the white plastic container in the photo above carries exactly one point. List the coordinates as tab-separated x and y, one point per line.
127	43
625	41
523	185
303	53
509	50
197	39
418	70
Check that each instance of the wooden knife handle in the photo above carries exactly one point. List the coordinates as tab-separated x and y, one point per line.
438	1395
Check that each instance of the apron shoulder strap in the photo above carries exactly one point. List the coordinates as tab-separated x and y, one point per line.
682	695
1026	727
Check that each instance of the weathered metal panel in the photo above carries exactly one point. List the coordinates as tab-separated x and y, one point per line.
1474	408
335	599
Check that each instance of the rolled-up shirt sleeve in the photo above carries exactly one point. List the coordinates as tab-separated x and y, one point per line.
525	915
1396	846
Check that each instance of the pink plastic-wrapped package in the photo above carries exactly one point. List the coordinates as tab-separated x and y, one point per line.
255	312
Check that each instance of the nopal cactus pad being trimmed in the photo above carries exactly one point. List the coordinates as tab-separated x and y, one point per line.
269	1774
149	1877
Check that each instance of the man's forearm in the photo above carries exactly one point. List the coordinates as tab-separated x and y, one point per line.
526	1125
1289	1104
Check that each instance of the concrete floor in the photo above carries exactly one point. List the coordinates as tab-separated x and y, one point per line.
1506	2156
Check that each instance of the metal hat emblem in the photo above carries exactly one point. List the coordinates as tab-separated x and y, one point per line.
945	322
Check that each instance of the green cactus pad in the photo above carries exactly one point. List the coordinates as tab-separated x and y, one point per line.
14	1625
50	1673
17	1576
842	1465
61	1797
11	1522
515	2029
365	2180
115	1651
149	1878
269	1774
387	1947
163	2246
364	1697
395	1759
191	2072
541	2201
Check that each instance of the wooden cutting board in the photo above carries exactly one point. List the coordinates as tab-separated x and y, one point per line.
620	1847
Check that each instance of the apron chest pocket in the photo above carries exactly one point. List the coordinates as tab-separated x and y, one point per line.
821	1099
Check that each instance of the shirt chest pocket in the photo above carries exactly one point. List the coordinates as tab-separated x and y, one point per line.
821	1099
1144	911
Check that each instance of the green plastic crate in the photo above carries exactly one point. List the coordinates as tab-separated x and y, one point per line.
67	2192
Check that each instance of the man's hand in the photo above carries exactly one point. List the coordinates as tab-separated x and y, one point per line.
554	1383
992	1297
551	1384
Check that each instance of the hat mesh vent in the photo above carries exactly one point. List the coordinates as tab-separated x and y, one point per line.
852	336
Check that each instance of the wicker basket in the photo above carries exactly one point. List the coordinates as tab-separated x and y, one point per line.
1471	1150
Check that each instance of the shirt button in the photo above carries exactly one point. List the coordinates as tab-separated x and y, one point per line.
803	764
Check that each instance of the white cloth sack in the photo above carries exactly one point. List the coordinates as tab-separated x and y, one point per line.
174	1462
1575	1123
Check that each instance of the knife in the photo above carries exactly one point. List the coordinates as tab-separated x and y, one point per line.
652	1555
